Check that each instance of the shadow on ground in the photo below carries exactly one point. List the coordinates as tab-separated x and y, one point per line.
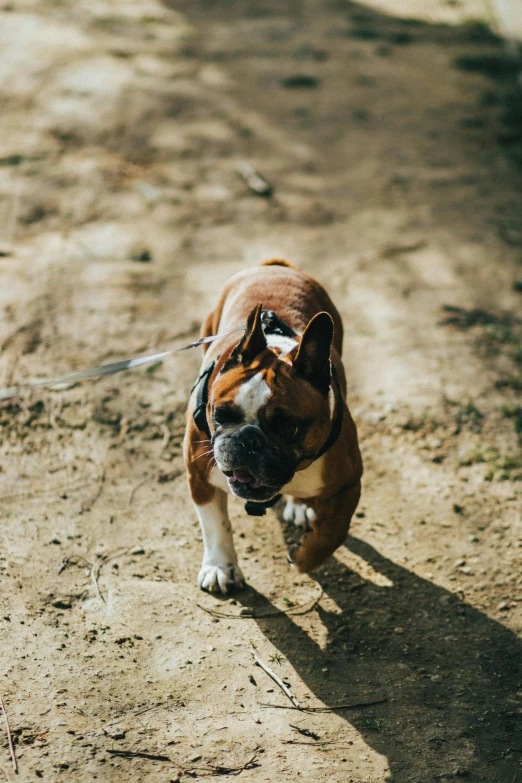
450	673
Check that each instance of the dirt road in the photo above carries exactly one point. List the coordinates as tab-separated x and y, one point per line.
122	214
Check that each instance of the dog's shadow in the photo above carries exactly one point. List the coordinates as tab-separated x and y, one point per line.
450	673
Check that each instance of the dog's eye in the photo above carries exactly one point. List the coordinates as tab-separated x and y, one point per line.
226	414
288	429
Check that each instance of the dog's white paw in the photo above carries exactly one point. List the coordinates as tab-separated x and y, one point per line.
220	578
299	513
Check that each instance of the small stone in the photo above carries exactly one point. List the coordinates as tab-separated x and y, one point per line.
141	254
114	733
245	612
300	82
503	606
399	630
137	550
55	541
61	603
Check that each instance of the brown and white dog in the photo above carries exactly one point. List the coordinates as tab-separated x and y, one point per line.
268	416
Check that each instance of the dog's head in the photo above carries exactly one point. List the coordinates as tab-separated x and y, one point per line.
269	407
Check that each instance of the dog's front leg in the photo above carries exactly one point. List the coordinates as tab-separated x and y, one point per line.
329	529
219	571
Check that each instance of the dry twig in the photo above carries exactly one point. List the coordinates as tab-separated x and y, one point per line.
332	708
292	611
305	732
86	505
218	769
135	489
72	486
254	180
317	744
78	560
166	436
140	712
99	563
133	754
9	737
94	568
277	680
213	769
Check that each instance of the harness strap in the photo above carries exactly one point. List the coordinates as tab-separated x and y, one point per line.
272	324
200	412
339	415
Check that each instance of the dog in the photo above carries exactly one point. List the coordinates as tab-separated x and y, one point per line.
267	417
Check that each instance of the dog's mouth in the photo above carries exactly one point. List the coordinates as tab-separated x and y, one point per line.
245	485
243	476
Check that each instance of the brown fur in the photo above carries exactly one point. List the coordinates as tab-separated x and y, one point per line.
296	298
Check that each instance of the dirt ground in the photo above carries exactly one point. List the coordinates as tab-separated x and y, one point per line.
121	215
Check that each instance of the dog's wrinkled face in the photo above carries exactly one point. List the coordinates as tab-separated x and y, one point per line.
268	408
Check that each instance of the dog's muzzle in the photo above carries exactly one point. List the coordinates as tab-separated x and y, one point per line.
255	466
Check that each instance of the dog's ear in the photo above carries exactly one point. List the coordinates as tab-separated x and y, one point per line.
312	360
253	341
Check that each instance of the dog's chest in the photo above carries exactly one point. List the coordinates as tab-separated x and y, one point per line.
306	483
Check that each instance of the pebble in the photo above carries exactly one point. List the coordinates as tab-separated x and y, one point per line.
114	733
137	550
61	603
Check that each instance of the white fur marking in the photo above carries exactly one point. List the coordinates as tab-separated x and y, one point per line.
251	396
219	570
307	483
285	344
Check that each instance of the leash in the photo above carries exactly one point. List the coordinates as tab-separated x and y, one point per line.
107	369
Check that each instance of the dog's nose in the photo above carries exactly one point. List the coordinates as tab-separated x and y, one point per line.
252	437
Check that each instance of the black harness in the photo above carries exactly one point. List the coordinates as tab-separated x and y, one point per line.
271	324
